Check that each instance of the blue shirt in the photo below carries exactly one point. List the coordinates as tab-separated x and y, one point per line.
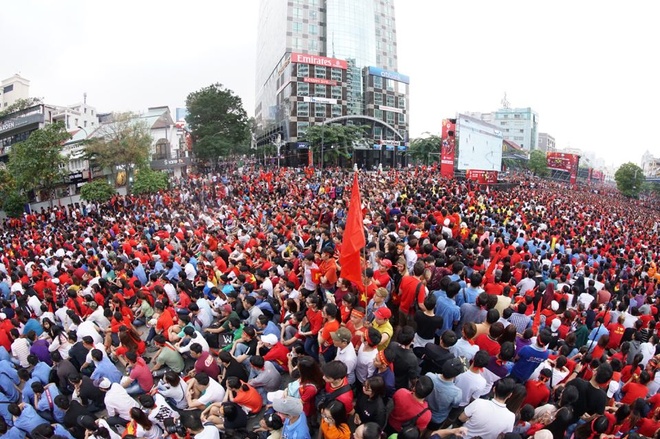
61	431
271	328
445	396
597	333
10	390
29	419
13	433
28	394
42	372
140	274
105	369
5	290
297	430
7	368
447	309
529	358
33	325
44	404
4	403
468	293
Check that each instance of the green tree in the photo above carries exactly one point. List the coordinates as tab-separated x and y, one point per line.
538	163
337	140
218	122
148	181
14	204
98	191
424	148
20	104
7	183
629	179
38	161
120	145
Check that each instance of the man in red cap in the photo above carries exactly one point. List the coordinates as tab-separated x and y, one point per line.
382	324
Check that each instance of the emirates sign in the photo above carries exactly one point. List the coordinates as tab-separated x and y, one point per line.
303	58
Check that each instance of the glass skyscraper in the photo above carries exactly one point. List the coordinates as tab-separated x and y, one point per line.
323	60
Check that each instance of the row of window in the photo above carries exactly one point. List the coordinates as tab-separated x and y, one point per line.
319	90
299	44
378	133
299	13
298	28
320	110
389	100
303	70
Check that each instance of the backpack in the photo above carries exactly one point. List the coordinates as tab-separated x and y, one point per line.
324	398
414	307
412	422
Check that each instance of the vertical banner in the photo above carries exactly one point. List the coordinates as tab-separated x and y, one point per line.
575	159
310	158
448	148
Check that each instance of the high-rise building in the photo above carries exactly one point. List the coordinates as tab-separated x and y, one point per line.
519	125
330	61
13	89
546	142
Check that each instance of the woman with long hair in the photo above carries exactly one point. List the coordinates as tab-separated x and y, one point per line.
129	341
244	395
334	423
593	428
370	406
174	389
310	381
143	427
225	416
59	342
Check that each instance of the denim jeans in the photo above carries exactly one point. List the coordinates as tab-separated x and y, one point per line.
134	389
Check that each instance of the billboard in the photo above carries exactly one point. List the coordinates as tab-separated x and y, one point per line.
479	145
481	177
304	58
448	148
395	76
561	161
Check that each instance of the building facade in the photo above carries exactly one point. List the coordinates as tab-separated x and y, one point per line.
13	89
330	61
650	165
520	125
546	142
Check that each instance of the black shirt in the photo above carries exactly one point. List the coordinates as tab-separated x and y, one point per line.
89	393
591	399
240	423
406	366
371	410
235	369
71	419
77	354
427	325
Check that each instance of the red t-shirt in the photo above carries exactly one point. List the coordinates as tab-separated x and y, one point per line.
344	398
251	399
278	354
207	364
407	407
537	393
488	344
407	290
632	391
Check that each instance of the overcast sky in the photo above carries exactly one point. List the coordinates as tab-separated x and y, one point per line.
589	68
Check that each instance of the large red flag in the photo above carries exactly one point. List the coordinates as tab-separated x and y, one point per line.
537	317
353	241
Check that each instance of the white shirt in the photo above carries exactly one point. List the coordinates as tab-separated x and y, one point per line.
190	271
349	358
472	384
525	285
35	305
161	410
365	363
20	348
100	347
177	393
98	318
199	338
488	419
214	392
118	402
209	432
585	299
267	285
89	328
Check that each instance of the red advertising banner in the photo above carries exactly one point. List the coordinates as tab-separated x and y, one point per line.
598	176
320	81
564	162
310	158
481	177
448	148
304	58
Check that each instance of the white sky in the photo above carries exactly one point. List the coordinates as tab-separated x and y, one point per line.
590	69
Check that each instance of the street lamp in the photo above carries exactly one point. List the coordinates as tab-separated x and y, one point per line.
89	163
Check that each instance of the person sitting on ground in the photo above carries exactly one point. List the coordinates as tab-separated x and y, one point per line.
202	391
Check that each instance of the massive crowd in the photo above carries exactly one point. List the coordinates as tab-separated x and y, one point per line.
218	305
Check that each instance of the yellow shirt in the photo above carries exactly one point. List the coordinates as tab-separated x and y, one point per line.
385	328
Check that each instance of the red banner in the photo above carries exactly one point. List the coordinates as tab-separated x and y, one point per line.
448	149
564	162
305	58
481	177
310	158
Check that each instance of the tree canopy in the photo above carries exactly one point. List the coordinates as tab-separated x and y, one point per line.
538	163
97	191
148	181
629	179
38	161
218	122
122	144
426	149
20	104
337	140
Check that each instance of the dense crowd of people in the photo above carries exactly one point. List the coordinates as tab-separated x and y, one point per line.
217	308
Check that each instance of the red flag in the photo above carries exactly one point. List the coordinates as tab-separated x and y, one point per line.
353	241
537	318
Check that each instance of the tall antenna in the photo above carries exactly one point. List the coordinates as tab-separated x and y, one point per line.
505	102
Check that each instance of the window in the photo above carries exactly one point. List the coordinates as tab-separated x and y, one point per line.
303	109
312	29
378	133
336	110
336	75
85	110
303	69
312	15
378	114
320	90
297	43
320	110
297	27
389	117
303	89
502	123
402	118
402	102
92	112
336	92
390	101
521	131
302	128
378	98
517	116
7	89
297	13
378	82
85	124
313	45
319	71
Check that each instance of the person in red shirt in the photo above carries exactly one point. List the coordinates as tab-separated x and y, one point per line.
488	342
410	287
538	392
244	395
408	405
381	276
204	362
637	387
335	375
277	352
313	319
